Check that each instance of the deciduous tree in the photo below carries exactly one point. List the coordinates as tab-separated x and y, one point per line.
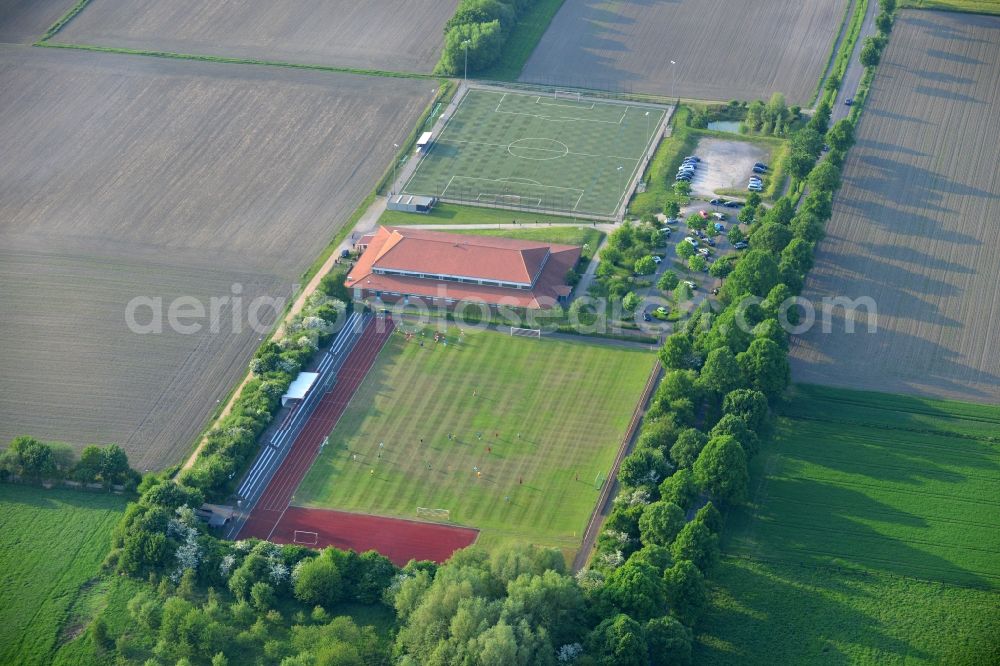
765	365
660	523
721	470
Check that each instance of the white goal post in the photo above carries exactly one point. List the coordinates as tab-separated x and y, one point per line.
305	538
525	332
567	94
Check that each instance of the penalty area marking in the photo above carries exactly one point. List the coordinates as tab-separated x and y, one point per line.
305	538
502	182
509	199
538	100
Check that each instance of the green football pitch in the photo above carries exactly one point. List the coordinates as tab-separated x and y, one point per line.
507	433
537	151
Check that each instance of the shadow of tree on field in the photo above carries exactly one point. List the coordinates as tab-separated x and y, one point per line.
943	77
953	57
770	613
949	95
870	362
917	257
57	498
872	110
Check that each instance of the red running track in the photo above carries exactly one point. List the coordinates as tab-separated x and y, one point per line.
399	540
276	497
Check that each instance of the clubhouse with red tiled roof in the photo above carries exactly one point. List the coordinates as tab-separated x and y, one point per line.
403	264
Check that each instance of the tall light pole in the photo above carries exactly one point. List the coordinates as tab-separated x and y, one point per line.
395	158
620	186
647	126
673	82
466	43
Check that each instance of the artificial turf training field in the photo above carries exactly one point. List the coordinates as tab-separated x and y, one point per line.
53	541
875	522
560	409
537	151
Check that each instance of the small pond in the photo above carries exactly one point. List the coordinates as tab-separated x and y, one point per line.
725	126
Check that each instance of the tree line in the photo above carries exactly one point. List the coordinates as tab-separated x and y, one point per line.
29	459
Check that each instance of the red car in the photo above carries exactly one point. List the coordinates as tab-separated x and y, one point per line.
703	214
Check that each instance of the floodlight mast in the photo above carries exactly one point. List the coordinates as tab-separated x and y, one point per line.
466	43
395	159
673	81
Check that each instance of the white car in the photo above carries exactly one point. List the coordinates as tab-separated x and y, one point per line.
657	259
704	251
719	216
691	240
691	285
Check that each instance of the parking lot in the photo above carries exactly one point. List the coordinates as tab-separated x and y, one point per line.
725	165
705	284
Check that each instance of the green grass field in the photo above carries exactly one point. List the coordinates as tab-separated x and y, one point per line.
874	530
446	213
53	541
560	409
974	6
537	151
778	613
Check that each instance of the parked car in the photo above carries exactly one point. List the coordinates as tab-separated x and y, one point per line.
719	216
760	165
703	214
720	227
701	234
691	240
755	188
691	285
662	311
710	241
718	202
672	220
646	317
759	170
683	176
657	259
733	204
741	245
694	158
704	251
849	101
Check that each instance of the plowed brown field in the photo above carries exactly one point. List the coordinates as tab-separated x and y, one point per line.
916	225
724	49
127	176
374	34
